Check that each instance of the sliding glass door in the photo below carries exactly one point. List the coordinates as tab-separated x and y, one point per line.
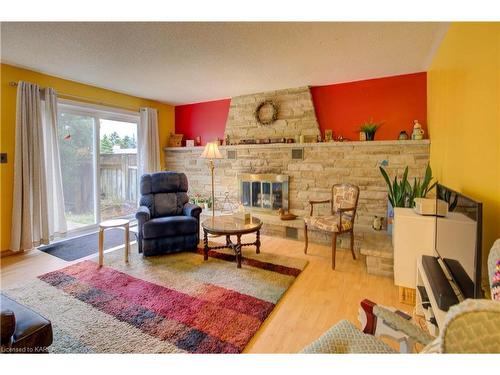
98	163
78	158
117	168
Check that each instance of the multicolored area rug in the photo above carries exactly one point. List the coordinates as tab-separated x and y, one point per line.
165	304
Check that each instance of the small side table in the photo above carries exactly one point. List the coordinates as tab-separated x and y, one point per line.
109	224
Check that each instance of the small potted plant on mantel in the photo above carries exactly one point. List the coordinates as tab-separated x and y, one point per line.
369	129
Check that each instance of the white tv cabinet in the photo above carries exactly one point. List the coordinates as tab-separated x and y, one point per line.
413	235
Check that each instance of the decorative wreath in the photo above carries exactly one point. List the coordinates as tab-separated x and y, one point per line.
267	106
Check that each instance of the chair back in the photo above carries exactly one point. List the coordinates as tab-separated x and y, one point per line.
345	196
472	326
164	193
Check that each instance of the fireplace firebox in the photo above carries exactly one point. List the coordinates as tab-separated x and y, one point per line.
266	192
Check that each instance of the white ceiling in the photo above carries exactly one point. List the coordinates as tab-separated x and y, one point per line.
192	62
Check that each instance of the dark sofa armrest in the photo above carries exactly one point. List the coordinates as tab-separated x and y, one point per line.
142	214
8	325
191	210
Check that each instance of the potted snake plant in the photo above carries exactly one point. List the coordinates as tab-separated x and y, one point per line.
400	193
420	188
396	194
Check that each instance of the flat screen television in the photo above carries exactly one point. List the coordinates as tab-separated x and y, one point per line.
459	240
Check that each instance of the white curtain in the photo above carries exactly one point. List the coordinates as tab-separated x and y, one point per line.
148	142
55	195
37	198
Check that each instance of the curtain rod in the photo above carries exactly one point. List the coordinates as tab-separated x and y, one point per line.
86	100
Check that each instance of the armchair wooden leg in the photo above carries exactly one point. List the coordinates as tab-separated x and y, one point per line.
352	245
305	239
334	248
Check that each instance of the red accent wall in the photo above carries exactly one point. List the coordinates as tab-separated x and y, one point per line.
207	119
396	101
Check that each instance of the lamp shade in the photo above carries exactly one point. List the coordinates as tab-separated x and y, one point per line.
211	151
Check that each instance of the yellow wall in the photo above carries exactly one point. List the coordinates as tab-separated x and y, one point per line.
166	118
464	118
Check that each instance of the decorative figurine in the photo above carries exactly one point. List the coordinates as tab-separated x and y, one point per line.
377	223
418	132
286	215
328	135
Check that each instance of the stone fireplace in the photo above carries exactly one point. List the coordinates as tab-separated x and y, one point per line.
263	192
310	177
296	116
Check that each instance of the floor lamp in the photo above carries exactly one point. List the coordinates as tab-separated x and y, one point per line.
212	152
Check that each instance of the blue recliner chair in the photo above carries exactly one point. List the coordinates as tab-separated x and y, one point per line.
167	222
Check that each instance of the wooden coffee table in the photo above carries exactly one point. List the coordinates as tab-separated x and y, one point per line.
231	226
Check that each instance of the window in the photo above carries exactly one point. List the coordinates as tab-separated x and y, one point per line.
98	148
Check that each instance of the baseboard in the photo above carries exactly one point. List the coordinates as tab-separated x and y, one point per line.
6	253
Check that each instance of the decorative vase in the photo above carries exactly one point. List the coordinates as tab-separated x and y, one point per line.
370	136
418	132
390	217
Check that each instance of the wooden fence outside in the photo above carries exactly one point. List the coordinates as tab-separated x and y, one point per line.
118	174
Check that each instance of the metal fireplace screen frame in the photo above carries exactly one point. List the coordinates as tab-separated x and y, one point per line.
266	192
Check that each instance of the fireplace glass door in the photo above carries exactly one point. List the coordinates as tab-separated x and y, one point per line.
266	195
245	193
277	195
256	194
264	192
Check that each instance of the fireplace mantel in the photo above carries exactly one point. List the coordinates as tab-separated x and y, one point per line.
320	144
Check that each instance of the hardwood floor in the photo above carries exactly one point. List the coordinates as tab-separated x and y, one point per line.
318	299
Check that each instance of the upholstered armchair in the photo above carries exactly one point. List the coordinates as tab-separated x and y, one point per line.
167	222
472	326
343	205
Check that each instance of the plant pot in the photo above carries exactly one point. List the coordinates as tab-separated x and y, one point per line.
370	136
390	217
